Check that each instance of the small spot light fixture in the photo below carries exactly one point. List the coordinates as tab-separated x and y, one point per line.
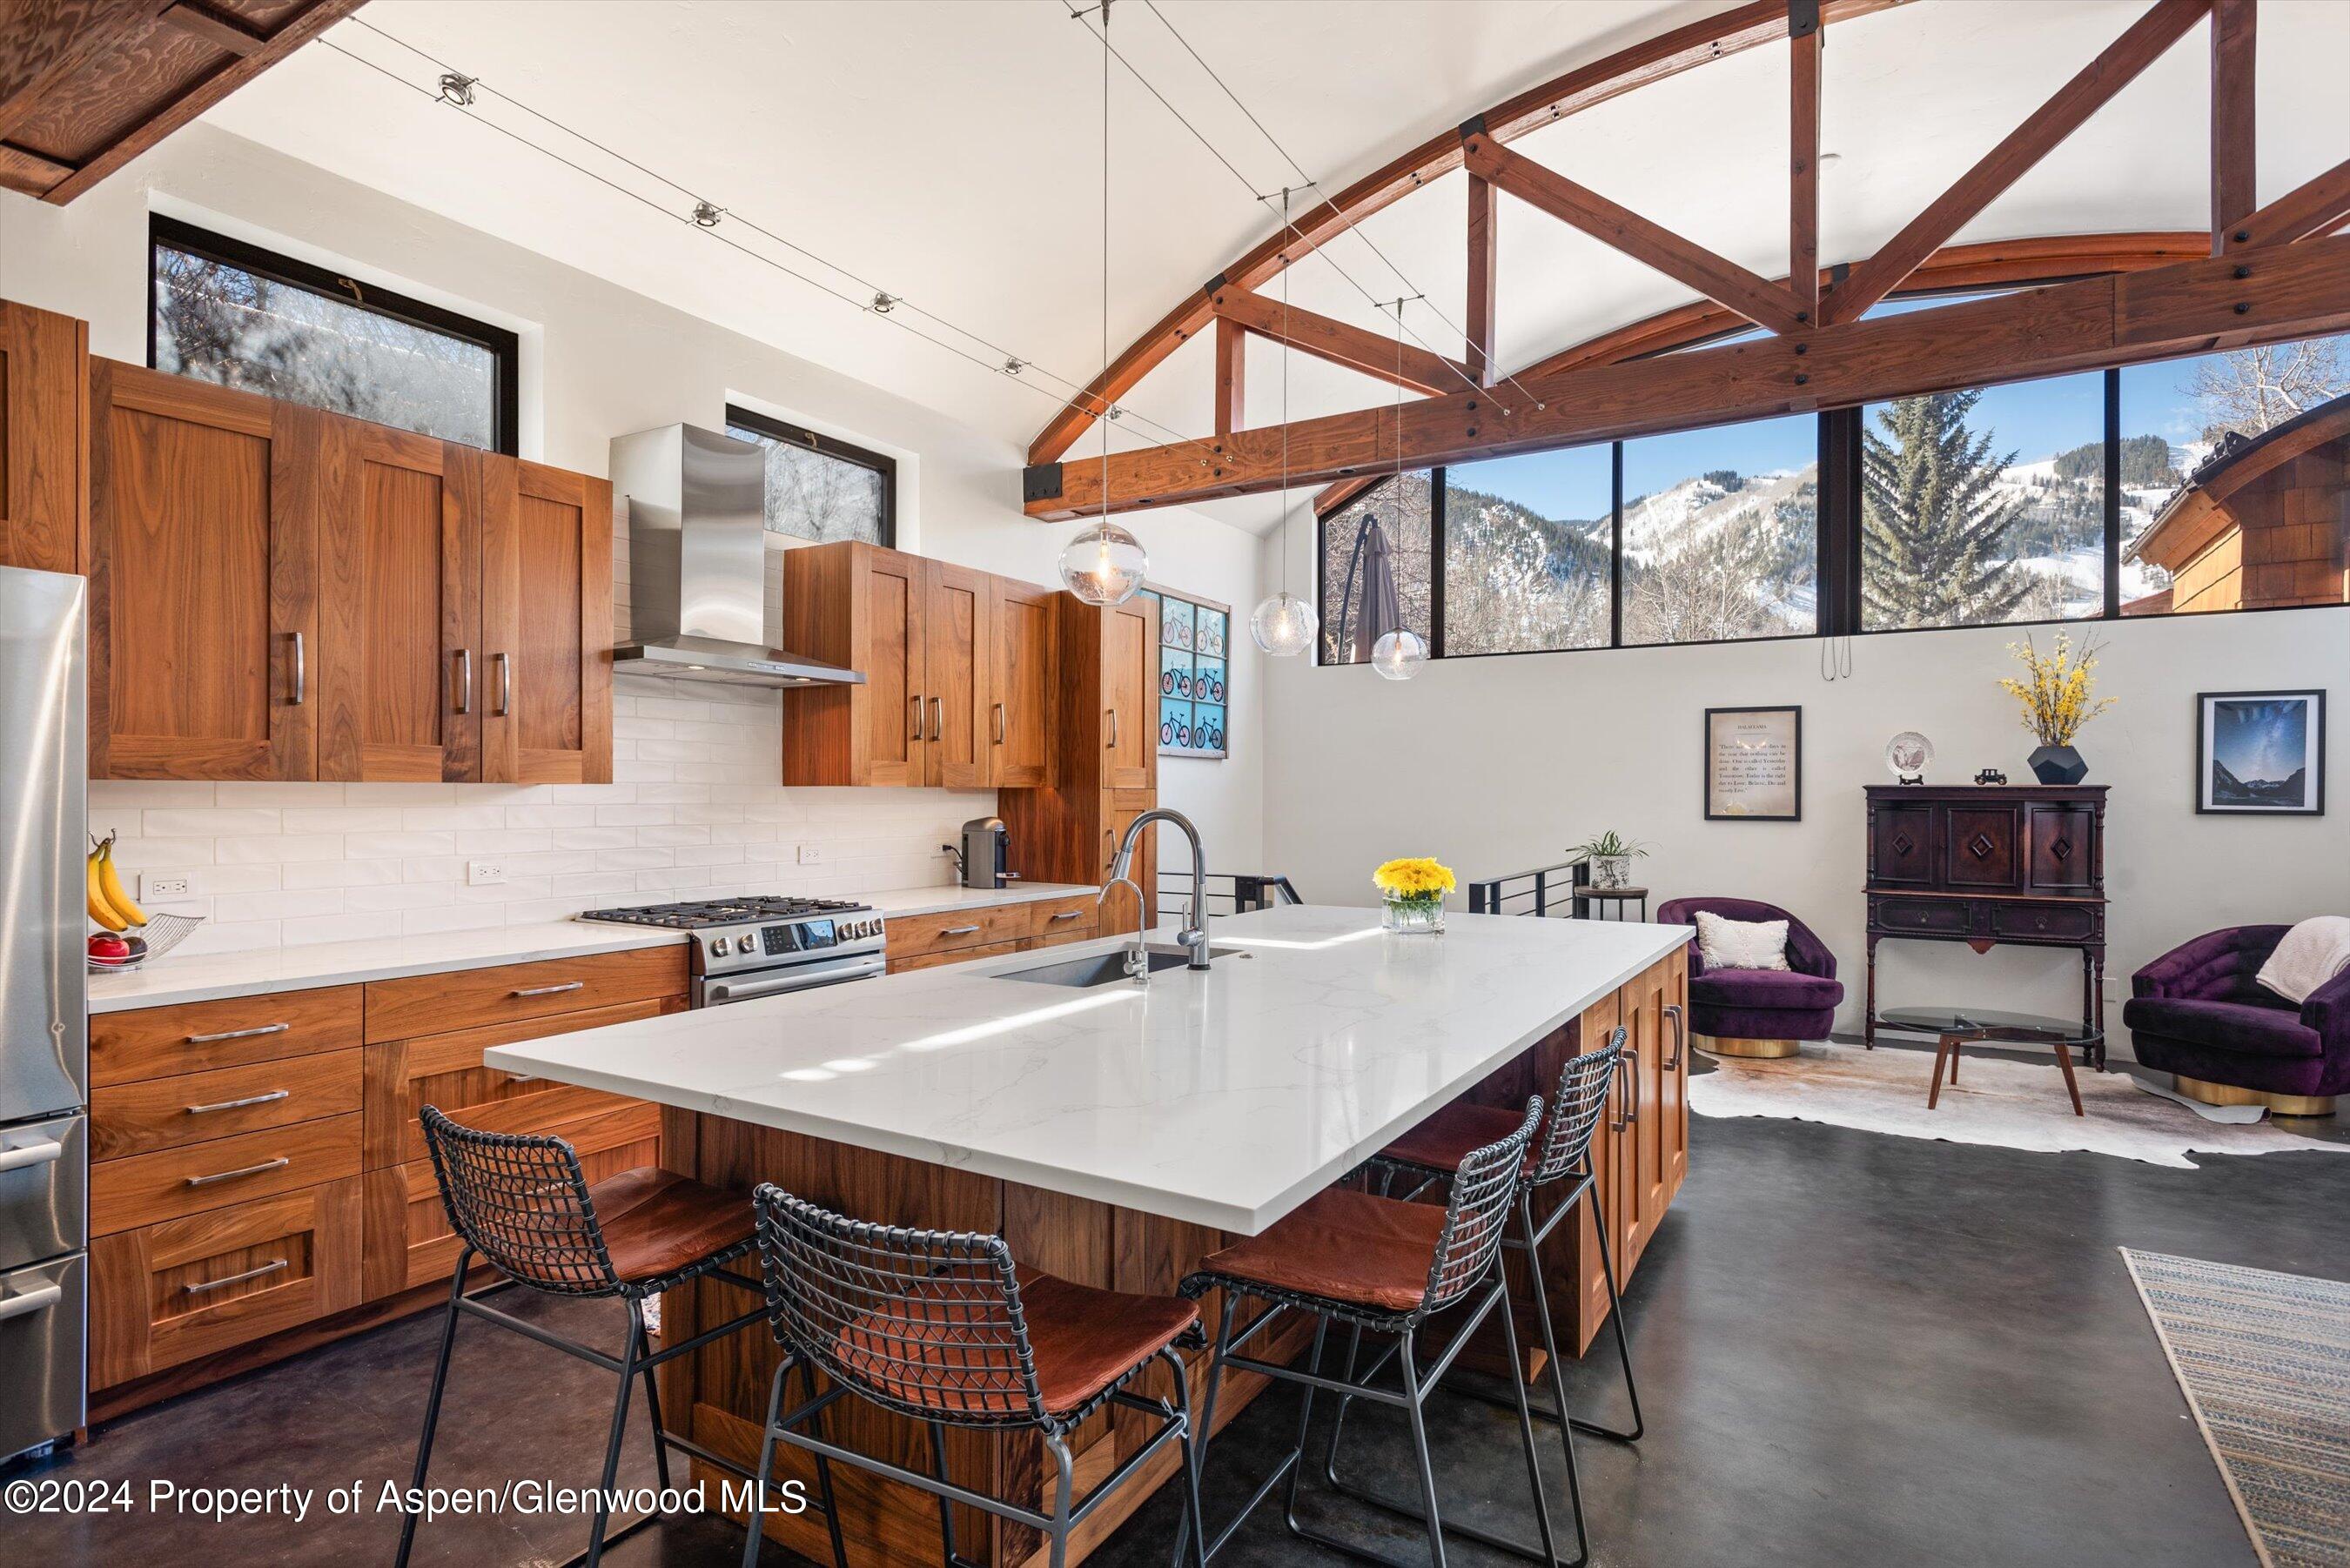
458	89
1014	365
706	214
884	302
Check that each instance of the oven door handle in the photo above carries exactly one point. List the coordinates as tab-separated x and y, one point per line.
804	977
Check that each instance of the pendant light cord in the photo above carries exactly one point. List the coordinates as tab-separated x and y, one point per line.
1103	422
1284	551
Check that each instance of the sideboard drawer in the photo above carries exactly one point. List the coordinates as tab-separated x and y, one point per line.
912	936
1935	917
1063	920
126	1194
468	999
194	1107
197	1036
2042	922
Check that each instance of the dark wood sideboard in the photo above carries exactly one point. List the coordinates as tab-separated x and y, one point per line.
1987	863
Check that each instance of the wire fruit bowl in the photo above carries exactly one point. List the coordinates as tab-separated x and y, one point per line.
161	933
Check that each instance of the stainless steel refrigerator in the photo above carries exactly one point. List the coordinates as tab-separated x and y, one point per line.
44	1024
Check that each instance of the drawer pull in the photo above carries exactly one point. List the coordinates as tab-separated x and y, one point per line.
1067	915
958	931
270	1098
549	990
270	1267
23	1156
239	1033
245	1170
38	1299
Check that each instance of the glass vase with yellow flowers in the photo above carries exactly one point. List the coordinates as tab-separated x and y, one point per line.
2058	696
1412	893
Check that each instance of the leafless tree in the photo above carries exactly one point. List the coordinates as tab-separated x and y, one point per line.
2254	389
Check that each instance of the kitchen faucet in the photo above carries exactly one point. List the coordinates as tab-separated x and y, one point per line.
1193	936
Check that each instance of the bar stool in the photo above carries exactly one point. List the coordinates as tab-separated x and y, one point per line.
523	1206
1386	1265
944	1327
1430	1152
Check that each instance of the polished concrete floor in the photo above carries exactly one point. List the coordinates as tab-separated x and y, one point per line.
1853	1349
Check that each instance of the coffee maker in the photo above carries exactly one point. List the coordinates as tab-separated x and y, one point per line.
986	846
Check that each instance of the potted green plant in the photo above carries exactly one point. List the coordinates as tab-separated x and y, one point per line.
1611	855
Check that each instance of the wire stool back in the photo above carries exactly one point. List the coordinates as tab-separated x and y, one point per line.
522	1203
1575	1109
1476	1212
924	1323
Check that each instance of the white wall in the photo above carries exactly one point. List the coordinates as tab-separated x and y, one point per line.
598	361
1498	765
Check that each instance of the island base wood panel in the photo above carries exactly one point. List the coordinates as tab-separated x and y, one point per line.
725	1384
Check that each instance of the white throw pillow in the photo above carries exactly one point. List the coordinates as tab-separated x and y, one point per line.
1741	944
2312	953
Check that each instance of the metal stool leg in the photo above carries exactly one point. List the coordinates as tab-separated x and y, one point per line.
1413	1392
653	1410
1615	1316
628	1359
432	1402
1305	1423
1189	1442
824	1476
1558	1372
1062	1486
1208	1427
946	1505
767	1460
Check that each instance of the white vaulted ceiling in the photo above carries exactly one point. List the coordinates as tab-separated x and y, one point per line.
947	151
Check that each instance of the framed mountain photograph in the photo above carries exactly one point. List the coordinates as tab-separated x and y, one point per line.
2260	754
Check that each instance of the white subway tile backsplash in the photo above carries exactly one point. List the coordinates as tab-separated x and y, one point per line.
320	846
206	822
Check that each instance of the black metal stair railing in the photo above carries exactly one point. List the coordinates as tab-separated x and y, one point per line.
1544	892
1229	893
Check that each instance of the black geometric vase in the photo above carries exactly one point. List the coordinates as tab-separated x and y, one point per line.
2059	765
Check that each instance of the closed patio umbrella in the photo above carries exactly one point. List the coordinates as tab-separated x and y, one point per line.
1372	601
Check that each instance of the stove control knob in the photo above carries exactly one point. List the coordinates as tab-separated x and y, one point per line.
718	947
746	944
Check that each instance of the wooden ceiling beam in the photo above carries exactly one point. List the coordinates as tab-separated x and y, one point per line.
2319	207
2251	296
1232	378
1718	279
214	27
2234	187
2094	85
1804	158
1753	25
1406	365
1484	252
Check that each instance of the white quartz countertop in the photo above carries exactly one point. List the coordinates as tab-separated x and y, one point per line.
207	977
1225	1098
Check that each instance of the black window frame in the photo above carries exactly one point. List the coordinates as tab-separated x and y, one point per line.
790	434
1838	593
503	347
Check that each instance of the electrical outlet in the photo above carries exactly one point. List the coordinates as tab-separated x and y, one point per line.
171	885
484	873
811	854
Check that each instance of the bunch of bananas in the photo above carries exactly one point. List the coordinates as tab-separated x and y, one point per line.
110	905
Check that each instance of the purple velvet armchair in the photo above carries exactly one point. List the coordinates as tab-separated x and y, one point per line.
1758	1011
2197	1011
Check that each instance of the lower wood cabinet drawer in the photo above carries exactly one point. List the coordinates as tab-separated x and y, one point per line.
1941	917
914	936
409	1241
1063	920
954	955
144	1188
198	1036
171	1292
193	1107
467	999
445	1071
2042	922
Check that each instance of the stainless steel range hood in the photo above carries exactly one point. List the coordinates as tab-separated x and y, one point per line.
698	563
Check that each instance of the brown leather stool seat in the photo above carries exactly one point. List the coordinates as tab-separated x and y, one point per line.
657	1223
1452	1135
1345	1246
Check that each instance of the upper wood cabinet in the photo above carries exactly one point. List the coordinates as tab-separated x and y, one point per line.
44	434
959	671
1129	694
282	593
204	580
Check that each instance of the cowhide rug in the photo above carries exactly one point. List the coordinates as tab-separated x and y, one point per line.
2007	1104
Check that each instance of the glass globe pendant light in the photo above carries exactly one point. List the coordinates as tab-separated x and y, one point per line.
1398	654
1284	624
1104	564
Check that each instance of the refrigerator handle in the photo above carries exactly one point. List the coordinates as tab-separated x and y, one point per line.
30	1302
41	1153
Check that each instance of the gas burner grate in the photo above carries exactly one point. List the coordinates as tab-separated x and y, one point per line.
695	914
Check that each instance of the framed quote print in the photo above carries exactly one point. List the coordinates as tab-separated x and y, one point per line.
1755	765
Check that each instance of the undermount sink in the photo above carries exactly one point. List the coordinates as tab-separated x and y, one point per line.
1103	969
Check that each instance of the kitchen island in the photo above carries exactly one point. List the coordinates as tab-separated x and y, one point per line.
1116	1133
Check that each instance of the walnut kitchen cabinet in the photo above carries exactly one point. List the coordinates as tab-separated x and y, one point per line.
44	438
958	664
204	569
1128	642
282	593
1020	701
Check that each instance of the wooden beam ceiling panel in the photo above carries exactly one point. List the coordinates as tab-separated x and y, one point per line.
2115	68
2291	291
1232	378
1750	26
1804	164
1484	253
2319	207
2233	195
1407	365
1718	279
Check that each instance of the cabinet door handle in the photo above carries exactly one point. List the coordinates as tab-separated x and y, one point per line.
1680	1034
270	1098
239	1033
242	1170
1113	727
1632	1081
505	684
548	989
916	704
1067	915
301	672
464	703
938	711
959	930
270	1267
999	723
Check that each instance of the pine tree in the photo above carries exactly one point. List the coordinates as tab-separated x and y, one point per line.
1933	522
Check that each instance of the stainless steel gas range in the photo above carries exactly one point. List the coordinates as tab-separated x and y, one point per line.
748	948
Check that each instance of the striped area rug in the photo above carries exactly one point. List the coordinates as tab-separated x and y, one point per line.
2264	1361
